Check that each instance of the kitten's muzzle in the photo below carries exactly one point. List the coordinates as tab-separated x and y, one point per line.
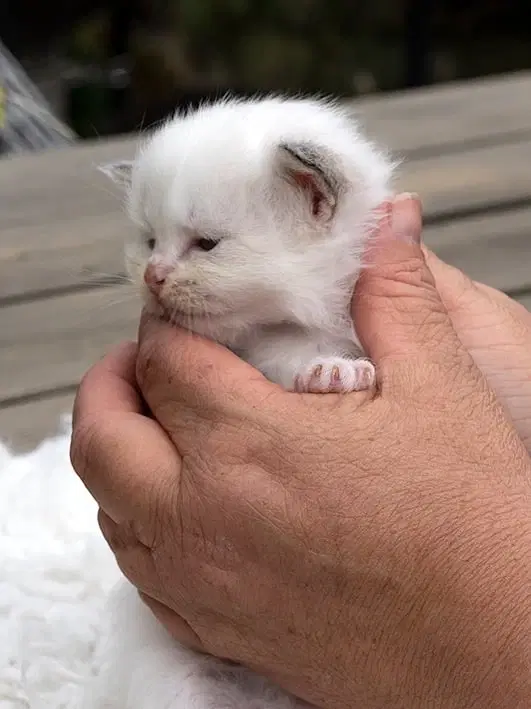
155	276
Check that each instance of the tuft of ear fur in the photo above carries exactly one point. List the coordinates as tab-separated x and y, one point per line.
312	172
119	172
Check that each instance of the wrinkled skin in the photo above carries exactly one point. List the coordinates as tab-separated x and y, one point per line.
364	551
496	330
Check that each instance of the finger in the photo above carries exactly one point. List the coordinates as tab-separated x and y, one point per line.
460	293
110	385
186	378
496	330
399	315
174	624
128	465
134	558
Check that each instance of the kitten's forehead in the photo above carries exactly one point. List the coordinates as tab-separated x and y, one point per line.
193	175
196	152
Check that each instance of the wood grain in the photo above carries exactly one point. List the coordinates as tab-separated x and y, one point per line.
50	343
82	250
525	300
438	119
492	248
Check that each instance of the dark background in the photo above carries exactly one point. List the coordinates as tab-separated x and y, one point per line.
123	64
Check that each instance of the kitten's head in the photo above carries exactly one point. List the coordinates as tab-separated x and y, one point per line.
249	213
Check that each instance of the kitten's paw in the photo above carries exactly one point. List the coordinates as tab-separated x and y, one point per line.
335	374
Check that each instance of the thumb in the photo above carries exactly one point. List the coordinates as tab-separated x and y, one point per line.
400	318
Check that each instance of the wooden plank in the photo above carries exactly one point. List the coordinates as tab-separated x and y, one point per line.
24	426
49	344
48	244
492	248
437	118
473	180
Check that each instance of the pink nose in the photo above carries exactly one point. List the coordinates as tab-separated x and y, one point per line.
155	276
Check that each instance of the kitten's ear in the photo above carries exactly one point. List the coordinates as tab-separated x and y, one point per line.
119	172
311	171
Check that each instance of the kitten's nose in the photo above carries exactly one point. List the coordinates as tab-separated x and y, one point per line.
155	276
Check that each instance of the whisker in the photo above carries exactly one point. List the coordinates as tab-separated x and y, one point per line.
92	276
126	318
96	132
141	128
113	302
117	197
152	125
190	325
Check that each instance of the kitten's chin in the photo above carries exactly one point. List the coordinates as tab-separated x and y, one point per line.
190	321
225	328
153	307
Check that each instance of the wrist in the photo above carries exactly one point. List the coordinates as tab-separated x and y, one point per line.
482	657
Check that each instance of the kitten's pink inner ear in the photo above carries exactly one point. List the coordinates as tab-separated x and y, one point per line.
307	182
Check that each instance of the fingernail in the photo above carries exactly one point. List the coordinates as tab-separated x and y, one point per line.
383	212
384	208
406	218
407	196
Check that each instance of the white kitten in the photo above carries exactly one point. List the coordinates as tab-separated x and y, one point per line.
253	218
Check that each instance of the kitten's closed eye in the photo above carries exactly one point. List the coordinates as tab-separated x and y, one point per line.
202	244
206	244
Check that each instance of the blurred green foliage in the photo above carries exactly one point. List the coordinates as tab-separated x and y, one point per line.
331	46
340	46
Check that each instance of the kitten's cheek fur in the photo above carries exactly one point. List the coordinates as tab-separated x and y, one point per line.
151	305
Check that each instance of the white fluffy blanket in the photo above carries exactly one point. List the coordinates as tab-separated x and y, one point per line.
62	627
55	575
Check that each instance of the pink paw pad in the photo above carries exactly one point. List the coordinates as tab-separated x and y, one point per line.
335	374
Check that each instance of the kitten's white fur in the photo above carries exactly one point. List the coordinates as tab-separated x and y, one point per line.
289	189
277	287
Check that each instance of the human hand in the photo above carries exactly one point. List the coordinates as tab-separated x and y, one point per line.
362	551
496	330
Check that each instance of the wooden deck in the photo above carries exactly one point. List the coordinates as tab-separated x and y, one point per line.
466	150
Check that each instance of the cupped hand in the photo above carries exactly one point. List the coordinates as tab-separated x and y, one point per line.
369	550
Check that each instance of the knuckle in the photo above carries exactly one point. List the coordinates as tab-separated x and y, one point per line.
405	292
88	439
120	537
433	322
79	401
461	295
408	276
147	364
160	518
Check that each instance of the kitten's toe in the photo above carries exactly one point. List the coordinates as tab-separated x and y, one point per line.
335	374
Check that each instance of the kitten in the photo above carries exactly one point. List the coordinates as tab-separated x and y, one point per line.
253	217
